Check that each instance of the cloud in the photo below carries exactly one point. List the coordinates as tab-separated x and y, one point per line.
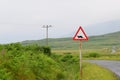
25	18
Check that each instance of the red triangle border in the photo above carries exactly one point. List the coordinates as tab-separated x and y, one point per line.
80	28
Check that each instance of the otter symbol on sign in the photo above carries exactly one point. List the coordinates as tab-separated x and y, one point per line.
79	36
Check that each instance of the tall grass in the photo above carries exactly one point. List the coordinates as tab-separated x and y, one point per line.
71	67
95	72
101	54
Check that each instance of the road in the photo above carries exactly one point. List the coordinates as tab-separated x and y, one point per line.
114	66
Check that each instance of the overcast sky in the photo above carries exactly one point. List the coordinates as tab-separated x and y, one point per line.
23	19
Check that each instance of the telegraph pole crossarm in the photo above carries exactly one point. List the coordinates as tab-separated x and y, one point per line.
47	26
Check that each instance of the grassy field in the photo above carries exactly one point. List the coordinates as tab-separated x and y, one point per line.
70	64
34	62
106	41
90	71
94	72
93	54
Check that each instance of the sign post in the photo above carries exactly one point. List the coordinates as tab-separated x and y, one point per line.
80	35
81	58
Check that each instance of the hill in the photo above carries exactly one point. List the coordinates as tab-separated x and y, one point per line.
94	42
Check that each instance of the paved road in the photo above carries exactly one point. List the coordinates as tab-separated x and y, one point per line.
114	66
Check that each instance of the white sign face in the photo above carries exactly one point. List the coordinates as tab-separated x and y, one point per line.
80	35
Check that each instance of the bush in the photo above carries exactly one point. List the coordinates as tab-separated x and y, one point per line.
66	58
28	63
29	67
47	50
94	55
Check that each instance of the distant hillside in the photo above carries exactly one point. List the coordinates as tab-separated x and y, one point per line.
102	41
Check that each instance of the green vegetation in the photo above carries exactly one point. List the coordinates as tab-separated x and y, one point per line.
103	57
70	63
100	55
28	63
34	62
92	54
103	42
94	72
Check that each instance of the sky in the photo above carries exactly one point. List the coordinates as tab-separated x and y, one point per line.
23	19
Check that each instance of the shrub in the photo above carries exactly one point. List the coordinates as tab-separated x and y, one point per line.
66	57
94	55
47	50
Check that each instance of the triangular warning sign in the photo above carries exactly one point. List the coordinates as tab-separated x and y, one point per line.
80	34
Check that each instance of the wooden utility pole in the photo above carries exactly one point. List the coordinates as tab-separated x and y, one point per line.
47	26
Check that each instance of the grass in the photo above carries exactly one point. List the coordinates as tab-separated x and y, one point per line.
97	47
28	62
70	64
95	42
103	54
90	71
95	72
